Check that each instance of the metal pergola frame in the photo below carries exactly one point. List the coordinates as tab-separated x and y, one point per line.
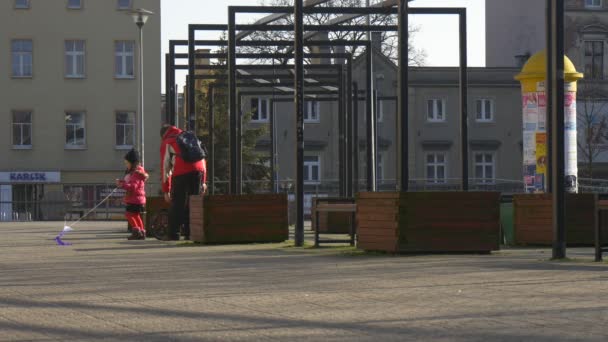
235	175
402	11
555	88
342	113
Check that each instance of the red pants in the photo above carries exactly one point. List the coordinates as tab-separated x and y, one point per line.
135	221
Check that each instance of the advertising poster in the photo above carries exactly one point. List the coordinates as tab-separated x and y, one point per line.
529	148
530	102
542	112
570	142
530	178
541	153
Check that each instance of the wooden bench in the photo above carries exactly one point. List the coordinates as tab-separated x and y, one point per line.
602	205
336	208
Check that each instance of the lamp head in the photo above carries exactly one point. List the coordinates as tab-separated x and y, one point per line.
140	16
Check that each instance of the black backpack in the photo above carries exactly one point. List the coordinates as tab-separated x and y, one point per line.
190	147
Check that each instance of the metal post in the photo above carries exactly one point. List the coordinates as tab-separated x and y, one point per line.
341	147
233	110
141	93
464	128
371	139
355	100
211	164
191	85
168	89
375	115
349	127
556	25
174	116
403	96
239	144
598	229
299	109
272	147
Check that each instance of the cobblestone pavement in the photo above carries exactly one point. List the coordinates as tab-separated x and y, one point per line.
106	288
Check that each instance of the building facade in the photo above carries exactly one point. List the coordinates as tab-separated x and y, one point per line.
69	110
519	27
495	134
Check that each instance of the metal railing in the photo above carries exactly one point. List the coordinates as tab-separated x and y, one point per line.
77	199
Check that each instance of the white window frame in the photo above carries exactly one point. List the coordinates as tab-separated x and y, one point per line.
603	58
380	111
309	165
26	5
261	116
124	8
74	7
20	55
124	126
84	126
120	70
484	114
21	145
590	4
434	116
308	111
483	178
436	164
71	56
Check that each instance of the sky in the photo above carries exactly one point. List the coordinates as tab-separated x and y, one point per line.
438	35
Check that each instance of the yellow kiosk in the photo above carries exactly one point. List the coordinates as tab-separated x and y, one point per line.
533	77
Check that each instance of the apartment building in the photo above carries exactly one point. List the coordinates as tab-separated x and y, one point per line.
495	135
69	79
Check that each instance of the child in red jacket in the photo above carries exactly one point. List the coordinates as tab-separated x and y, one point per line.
135	199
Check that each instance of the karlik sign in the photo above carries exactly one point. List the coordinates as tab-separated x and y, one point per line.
30	177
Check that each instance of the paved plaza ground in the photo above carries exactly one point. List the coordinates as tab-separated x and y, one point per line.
107	288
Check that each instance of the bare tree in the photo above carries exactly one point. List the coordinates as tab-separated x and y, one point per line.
592	115
417	57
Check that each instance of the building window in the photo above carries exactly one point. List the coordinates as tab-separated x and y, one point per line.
74	58
75	131
436	110
124	59
22	57
312	169
594	59
259	110
436	167
380	110
380	166
485	167
74	4
311	112
22	129
593	3
485	110
22	4
125	130
124	4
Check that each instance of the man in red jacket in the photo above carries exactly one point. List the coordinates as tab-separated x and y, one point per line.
180	179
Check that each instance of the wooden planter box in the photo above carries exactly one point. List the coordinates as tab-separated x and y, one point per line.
428	221
223	219
156	217
331	222
533	220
